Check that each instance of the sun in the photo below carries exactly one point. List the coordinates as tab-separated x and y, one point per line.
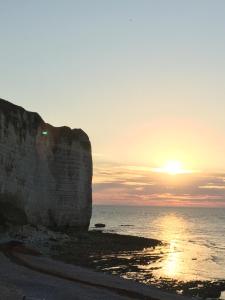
172	167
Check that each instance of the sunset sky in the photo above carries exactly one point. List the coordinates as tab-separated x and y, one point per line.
145	79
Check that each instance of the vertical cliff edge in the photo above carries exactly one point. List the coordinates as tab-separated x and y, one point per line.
45	171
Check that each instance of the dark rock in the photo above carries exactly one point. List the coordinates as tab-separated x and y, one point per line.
210	292
10	211
99	225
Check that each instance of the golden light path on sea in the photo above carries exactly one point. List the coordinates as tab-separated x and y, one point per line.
170	224
182	257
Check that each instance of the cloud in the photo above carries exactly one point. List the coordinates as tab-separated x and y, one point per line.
115	184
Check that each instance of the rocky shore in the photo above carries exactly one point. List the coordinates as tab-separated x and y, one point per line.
126	256
29	272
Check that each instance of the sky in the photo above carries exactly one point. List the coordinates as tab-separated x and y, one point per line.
144	79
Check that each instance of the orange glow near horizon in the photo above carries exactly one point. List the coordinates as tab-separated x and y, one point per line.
172	167
173	184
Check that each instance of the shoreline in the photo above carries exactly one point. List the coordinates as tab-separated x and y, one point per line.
26	269
100	251
125	256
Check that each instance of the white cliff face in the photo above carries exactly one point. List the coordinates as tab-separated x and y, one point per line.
45	171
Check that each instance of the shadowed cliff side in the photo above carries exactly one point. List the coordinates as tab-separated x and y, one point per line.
45	171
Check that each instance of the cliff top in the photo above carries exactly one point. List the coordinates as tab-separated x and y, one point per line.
10	110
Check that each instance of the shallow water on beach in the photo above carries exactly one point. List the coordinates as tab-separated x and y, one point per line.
194	238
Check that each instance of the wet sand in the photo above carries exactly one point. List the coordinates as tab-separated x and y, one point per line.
24	272
109	254
129	257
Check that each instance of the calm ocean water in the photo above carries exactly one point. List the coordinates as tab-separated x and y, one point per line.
195	237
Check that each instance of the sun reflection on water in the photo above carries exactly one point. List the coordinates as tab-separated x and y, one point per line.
173	229
172	263
184	256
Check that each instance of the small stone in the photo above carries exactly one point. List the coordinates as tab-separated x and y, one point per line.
99	225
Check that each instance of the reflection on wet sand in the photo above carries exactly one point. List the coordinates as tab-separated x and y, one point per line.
144	260
182	257
174	264
189	261
171	267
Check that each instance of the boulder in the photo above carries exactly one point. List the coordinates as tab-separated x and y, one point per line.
99	225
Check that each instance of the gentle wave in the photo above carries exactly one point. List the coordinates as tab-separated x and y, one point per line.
194	236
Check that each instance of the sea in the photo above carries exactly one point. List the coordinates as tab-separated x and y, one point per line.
194	238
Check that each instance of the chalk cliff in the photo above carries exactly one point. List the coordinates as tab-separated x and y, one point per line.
45	171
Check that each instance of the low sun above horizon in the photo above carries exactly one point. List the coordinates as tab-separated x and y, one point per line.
172	167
